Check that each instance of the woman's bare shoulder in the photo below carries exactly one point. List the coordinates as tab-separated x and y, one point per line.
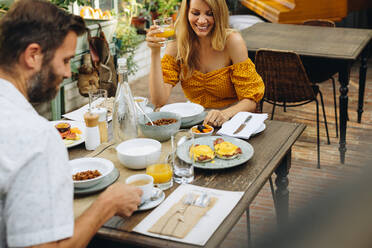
171	48
236	48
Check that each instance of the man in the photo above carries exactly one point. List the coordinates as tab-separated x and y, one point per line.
37	41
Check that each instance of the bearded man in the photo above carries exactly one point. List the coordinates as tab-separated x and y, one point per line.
37	42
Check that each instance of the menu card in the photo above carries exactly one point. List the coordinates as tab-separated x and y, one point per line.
203	230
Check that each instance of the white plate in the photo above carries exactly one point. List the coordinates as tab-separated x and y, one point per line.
152	204
196	120
187	110
73	124
104	166
217	163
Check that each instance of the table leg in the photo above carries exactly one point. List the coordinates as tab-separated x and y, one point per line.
282	193
248	216
362	82
344	76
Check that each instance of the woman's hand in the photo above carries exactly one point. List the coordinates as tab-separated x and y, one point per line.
216	118
152	41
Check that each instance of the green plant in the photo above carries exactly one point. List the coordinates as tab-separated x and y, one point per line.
66	3
167	7
127	39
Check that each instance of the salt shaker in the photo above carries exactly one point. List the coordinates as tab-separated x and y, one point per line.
92	137
102	123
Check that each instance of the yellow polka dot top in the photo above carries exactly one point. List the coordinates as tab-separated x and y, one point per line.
218	88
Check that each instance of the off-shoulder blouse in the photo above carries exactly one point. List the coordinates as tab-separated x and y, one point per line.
218	88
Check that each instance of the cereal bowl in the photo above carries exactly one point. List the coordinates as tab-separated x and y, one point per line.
202	130
83	165
165	125
138	153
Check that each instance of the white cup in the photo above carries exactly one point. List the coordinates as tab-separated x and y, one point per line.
146	188
141	101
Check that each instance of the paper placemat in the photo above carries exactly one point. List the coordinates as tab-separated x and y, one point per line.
180	219
203	230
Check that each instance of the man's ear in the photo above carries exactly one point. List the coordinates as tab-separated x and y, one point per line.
32	56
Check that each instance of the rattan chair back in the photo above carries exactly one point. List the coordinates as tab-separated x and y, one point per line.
319	22
284	76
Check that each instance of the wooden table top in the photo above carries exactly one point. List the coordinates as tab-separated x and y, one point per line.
333	43
269	146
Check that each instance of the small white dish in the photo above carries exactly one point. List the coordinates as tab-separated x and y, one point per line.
187	110
197	135
152	204
138	153
104	166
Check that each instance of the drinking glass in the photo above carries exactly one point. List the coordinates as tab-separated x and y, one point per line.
166	27
162	174
98	99
183	172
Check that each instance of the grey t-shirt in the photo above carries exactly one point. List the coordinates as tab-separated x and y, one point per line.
36	188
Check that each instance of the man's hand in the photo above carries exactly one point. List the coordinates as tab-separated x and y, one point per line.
215	118
125	198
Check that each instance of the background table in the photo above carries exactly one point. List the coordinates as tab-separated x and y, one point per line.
272	154
342	44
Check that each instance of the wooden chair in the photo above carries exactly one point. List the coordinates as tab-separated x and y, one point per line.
286	82
321	70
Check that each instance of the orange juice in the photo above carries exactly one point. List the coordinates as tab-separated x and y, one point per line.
168	32
162	173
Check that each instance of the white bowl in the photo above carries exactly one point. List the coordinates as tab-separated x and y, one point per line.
197	135
138	153
187	110
104	166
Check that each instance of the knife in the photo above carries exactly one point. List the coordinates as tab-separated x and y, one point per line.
242	126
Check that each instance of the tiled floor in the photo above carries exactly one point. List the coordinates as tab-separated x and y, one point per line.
305	180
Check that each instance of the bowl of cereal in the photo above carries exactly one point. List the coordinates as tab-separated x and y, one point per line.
87	172
165	124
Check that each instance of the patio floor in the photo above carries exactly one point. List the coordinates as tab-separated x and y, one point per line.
305	180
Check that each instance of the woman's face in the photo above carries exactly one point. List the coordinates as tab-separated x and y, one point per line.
200	18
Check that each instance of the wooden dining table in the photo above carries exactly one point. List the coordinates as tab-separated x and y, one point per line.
272	153
345	45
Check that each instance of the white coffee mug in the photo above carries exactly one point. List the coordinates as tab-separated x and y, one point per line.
144	182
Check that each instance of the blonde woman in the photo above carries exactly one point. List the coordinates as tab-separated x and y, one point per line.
209	59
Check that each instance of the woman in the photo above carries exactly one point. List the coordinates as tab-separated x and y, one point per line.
209	59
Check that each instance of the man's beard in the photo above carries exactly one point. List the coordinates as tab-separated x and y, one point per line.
43	85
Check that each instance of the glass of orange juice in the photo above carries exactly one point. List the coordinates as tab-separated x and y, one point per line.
166	27
162	174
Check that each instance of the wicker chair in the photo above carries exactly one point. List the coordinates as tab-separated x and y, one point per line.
321	70
286	82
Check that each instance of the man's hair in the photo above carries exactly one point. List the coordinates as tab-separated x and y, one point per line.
35	21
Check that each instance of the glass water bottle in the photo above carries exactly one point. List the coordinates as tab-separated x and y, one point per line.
124	118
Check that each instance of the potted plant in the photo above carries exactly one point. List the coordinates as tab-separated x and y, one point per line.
168	8
127	38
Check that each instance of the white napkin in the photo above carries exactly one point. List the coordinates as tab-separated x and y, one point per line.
229	127
206	226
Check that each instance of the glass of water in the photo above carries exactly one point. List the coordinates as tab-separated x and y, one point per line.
183	172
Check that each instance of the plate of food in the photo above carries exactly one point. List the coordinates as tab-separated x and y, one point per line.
216	152
87	172
72	132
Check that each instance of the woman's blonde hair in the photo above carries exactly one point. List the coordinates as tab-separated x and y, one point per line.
187	40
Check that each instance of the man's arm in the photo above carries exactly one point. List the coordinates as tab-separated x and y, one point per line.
118	199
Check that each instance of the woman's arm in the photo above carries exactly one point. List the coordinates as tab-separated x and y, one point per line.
159	91
235	46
